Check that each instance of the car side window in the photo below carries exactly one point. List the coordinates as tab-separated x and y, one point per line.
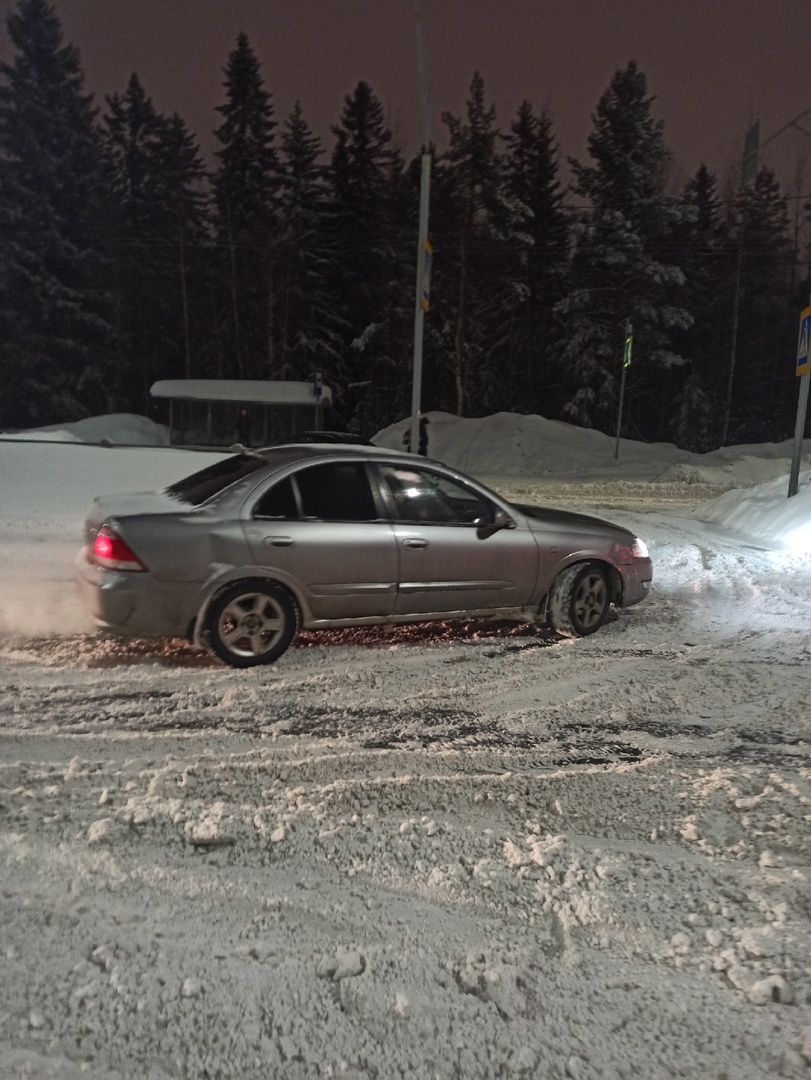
278	502
338	491
421	496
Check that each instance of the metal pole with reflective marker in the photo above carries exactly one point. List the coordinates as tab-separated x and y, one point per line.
803	368
424	250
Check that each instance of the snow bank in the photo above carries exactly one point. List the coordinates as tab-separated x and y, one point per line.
511	444
765	514
41	481
117	429
518	445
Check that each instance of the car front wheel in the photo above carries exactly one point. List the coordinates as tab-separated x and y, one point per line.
579	600
250	623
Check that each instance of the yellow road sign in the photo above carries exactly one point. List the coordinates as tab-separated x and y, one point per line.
803	362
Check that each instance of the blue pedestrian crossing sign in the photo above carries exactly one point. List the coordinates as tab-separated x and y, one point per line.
803	363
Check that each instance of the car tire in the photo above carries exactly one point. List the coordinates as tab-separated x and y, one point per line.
579	600
250	623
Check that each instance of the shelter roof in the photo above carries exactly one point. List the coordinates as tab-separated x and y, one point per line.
243	391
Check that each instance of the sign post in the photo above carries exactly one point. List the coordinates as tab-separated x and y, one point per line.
803	367
427	256
626	363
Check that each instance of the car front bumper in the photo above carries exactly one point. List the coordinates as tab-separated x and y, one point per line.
636	581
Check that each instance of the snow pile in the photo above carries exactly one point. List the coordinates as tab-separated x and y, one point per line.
509	444
765	514
117	429
733	467
517	445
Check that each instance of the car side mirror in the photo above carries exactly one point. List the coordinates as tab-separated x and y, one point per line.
501	520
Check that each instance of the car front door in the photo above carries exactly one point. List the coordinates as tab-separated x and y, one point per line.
320	528
450	559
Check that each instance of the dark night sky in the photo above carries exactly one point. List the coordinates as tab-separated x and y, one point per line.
713	65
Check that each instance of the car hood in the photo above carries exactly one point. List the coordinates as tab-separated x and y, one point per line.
545	517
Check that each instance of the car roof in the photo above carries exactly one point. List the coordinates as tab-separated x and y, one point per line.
295	451
330	437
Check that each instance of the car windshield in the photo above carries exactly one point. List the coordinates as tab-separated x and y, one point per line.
202	485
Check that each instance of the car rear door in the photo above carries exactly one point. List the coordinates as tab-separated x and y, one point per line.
449	560
320	528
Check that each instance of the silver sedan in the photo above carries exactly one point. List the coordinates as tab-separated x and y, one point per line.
241	555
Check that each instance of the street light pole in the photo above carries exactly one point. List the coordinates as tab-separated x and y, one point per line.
802	369
421	300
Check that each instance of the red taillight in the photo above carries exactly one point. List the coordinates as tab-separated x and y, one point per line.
110	551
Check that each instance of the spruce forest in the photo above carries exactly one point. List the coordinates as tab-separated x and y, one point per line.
127	258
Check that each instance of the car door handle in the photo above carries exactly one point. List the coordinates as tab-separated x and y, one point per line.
279	541
415	542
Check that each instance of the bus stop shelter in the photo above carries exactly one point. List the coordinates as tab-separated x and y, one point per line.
206	412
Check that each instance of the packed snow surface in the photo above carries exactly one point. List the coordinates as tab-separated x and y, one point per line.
437	852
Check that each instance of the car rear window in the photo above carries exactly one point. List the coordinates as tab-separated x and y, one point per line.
336	491
200	486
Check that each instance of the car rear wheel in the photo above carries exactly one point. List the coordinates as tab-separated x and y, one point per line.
250	623
579	600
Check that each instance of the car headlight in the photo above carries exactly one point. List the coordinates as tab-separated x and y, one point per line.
639	549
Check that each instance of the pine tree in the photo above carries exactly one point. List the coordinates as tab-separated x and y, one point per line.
246	185
366	176
531	328
389	397
621	271
130	129
706	258
184	217
56	338
761	385
155	175
476	242
309	330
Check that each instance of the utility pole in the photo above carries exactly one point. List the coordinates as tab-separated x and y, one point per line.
424	252
749	168
803	366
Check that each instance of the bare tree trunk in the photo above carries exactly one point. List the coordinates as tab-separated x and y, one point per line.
460	367
284	331
118	383
235	297
271	354
797	223
733	348
184	298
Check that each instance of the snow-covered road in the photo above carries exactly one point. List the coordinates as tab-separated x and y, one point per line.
433	853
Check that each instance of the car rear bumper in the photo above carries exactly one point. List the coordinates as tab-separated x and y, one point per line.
130	603
636	581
